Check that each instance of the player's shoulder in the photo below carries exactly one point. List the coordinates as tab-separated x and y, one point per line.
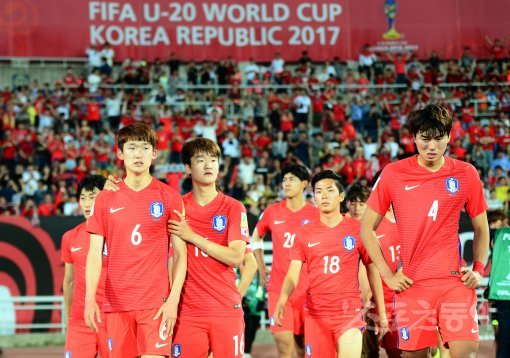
230	203
351	224
459	165
272	208
401	165
75	231
105	195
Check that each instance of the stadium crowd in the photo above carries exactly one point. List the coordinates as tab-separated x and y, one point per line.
348	117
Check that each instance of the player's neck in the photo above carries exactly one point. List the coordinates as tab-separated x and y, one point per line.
296	203
204	194
431	166
138	182
331	219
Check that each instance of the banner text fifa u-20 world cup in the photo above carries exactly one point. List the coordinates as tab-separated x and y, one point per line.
214	23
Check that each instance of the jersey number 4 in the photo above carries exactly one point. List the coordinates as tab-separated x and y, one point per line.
433	210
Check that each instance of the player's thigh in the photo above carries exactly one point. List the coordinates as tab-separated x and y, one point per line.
461	349
80	342
284	343
191	338
121	330
347	331
288	317
319	338
457	314
227	336
150	340
420	353
416	317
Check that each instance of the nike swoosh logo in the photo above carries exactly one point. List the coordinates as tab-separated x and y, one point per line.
161	345
474	330
74	249
411	187
112	210
278	222
379	236
314	244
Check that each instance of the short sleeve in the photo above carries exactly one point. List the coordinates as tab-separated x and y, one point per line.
476	200
364	254
238	226
297	251
263	223
96	223
175	204
380	198
65	248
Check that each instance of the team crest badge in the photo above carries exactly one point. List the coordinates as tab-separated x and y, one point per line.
304	222
157	210
404	333
452	185
308	350
349	243
219	223
271	321
176	350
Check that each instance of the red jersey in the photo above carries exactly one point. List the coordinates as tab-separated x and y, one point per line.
387	235
283	224
332	255
74	248
427	207
134	225
210	287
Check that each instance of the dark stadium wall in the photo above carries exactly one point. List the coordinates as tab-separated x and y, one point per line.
215	29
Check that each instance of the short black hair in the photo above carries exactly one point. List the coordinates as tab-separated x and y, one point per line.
358	192
297	170
432	121
90	183
328	174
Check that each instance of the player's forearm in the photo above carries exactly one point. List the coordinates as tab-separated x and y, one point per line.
68	288
480	243
374	280
374	251
224	254
289	285
179	267
249	271
259	257
92	274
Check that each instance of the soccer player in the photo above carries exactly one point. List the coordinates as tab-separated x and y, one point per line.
133	220
387	235
332	250
282	220
81	341
428	191
215	227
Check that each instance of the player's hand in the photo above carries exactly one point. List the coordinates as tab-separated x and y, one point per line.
398	282
263	273
168	314
92	313
180	227
111	183
279	312
471	279
381	325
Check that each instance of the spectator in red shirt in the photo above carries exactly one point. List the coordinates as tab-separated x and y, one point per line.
47	207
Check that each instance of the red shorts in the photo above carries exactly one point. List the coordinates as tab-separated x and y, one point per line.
134	333
294	317
420	309
196	337
322	334
83	342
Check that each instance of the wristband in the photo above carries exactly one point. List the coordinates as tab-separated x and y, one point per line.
257	245
478	267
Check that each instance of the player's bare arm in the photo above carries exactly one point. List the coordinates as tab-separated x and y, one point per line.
289	285
473	278
111	183
68	286
231	255
92	274
168	310
374	280
396	281
248	271
257	244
